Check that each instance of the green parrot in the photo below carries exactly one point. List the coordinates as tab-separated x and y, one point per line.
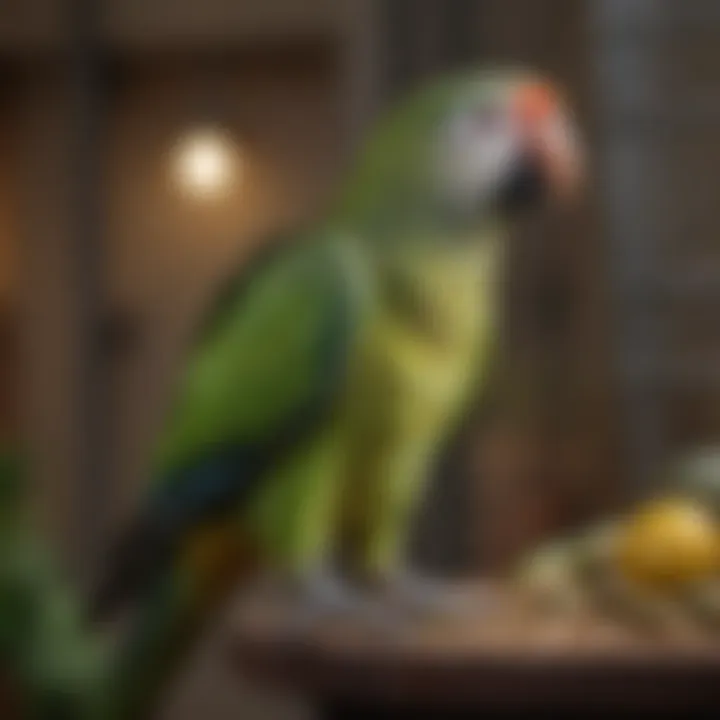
330	373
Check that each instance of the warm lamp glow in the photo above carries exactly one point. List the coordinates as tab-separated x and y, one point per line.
205	163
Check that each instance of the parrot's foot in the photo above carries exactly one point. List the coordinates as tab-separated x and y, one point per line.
327	593
417	597
323	596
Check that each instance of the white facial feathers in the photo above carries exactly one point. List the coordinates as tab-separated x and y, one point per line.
475	150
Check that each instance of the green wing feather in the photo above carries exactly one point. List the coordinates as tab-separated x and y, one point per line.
271	351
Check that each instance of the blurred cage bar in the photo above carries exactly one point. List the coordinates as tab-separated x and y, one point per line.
611	322
658	79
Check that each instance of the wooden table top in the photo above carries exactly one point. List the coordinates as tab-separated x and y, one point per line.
499	655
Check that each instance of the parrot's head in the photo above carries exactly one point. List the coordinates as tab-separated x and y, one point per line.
468	150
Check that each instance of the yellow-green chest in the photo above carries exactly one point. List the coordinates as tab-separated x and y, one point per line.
433	319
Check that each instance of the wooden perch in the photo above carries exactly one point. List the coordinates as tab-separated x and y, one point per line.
498	658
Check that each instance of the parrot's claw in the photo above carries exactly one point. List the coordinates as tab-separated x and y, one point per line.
328	594
323	596
418	597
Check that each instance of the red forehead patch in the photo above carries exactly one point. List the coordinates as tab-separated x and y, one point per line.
536	102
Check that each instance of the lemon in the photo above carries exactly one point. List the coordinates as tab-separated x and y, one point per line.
669	543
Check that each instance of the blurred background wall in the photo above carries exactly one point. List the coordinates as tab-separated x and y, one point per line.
612	330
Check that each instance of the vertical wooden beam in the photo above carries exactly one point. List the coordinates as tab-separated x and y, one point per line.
87	79
10	361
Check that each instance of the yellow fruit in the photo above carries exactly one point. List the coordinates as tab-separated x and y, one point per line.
669	543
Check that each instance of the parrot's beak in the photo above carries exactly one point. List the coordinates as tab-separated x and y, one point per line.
549	162
550	136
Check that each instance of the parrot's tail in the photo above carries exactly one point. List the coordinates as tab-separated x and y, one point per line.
151	653
133	565
171	617
171	573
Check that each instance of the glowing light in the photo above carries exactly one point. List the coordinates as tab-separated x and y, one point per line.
206	164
